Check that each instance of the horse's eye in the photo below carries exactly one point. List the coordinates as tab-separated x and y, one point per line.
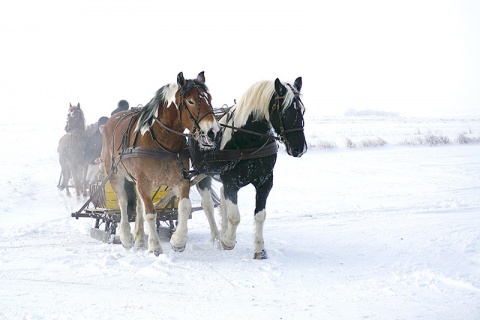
191	102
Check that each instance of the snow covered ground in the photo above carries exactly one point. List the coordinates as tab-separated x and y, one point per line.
386	232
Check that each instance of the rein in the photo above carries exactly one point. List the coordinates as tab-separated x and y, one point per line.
146	152
264	135
276	107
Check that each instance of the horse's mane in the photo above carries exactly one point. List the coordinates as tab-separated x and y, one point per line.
164	95
255	101
82	120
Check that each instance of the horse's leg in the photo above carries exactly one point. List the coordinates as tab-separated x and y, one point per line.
151	219
67	174
262	192
230	217
126	237
65	179
204	187
84	179
63	166
223	212
139	233
76	174
129	187
179	237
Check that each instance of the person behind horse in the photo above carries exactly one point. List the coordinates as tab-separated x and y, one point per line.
129	186
93	150
122	106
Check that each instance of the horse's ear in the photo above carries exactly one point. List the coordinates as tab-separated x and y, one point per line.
298	84
180	79
78	105
280	88
201	77
70	105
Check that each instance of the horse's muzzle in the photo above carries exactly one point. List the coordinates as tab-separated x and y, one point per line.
210	140
297	152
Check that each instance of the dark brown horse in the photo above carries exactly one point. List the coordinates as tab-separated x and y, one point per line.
70	151
149	147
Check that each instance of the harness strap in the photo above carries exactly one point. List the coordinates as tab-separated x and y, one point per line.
267	149
135	152
268	136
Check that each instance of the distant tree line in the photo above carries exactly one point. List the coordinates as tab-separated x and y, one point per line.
369	112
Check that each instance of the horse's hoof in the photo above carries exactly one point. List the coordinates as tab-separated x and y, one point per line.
127	244
225	247
177	249
262	255
140	245
156	249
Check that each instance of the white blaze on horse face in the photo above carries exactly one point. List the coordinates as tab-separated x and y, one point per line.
205	97
207	125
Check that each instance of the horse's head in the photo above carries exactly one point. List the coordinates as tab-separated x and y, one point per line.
286	116
196	112
75	118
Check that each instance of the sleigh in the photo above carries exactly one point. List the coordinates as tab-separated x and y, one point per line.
102	207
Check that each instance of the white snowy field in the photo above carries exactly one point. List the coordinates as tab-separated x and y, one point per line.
386	232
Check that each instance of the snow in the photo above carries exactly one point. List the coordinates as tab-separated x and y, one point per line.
386	232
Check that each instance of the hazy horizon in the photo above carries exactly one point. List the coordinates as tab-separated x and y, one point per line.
416	58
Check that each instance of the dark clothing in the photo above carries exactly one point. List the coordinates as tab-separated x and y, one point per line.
93	148
122	106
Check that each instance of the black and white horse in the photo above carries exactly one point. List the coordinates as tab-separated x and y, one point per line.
267	111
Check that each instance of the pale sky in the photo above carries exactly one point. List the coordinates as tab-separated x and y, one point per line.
415	57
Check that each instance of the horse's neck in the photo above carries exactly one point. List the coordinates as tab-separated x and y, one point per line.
170	118
244	140
78	136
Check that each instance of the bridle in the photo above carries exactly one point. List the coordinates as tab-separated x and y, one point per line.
297	103
69	127
197	131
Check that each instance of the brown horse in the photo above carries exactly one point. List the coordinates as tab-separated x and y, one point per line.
148	147
70	151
